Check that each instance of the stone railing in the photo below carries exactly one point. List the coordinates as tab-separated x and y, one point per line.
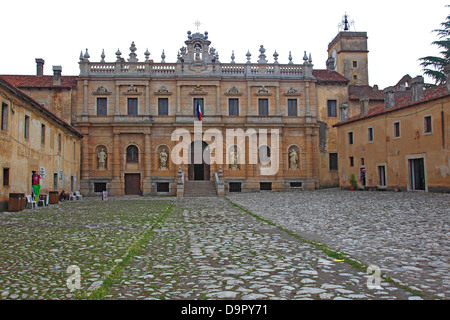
151	69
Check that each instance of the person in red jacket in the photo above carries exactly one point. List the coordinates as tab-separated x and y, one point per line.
36	185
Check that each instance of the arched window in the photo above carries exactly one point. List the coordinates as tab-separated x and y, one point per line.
132	154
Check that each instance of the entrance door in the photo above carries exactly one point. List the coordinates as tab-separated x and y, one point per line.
132	183
199	168
417	174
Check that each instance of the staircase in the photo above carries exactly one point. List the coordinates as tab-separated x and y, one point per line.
199	189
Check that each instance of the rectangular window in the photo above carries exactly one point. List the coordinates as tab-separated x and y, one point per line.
263	106
333	159
233	106
352	162
332	112
292	107
59	142
350	138
265	186
382	176
235	187
102	106
427	125
4	124
163	106
43	134
296	185
26	128
355	64
362	161
199	101
162	187
370	134
397	129
5	177
99	186
132	106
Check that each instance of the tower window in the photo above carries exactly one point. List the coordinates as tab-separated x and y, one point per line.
355	77
355	64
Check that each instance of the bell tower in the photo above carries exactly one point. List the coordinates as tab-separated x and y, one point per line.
348	54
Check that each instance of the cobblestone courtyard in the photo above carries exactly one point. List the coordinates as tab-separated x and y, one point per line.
302	245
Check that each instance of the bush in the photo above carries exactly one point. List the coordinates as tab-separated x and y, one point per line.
353	181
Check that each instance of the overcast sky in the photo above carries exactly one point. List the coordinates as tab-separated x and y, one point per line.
400	32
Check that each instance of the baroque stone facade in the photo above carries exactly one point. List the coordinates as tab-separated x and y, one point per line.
131	109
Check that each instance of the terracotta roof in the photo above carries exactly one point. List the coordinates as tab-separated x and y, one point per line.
403	99
27	81
15	90
356	92
329	76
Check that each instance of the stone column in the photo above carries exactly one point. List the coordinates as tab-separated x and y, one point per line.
249	99
116	157
178	99
218	100
117	104
85	97
85	157
148	157
277	90
147	99
308	112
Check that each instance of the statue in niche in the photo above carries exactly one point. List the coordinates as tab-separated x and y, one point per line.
163	157
293	159
102	159
234	159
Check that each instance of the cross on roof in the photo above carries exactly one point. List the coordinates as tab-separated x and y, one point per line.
197	24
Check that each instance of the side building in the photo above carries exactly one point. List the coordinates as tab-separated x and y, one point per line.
402	143
34	139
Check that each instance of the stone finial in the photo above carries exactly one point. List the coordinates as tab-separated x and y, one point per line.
290	58
147	55
249	55
262	56
118	55
275	57
102	56
86	55
305	58
133	55
232	57
163	57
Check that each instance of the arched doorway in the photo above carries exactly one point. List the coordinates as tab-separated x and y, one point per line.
199	167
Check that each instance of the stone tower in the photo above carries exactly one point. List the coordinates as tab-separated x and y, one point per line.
348	56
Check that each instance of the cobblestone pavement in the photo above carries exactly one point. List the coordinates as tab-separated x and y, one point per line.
245	246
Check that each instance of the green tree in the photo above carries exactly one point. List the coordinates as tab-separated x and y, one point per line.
434	66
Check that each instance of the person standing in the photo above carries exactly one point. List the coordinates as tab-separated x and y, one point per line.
36	185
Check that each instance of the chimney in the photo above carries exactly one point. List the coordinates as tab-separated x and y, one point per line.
389	100
364	106
40	66
447	75
417	88
57	75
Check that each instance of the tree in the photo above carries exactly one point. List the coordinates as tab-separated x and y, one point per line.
434	66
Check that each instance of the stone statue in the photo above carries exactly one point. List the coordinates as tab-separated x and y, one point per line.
163	157
102	159
234	159
293	159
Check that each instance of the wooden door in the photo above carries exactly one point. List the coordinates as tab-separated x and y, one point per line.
132	183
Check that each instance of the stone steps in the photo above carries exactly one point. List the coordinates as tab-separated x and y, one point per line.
199	189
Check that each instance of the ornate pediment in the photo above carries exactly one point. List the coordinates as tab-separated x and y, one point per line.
163	90
101	91
132	91
198	90
233	92
263	91
292	92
